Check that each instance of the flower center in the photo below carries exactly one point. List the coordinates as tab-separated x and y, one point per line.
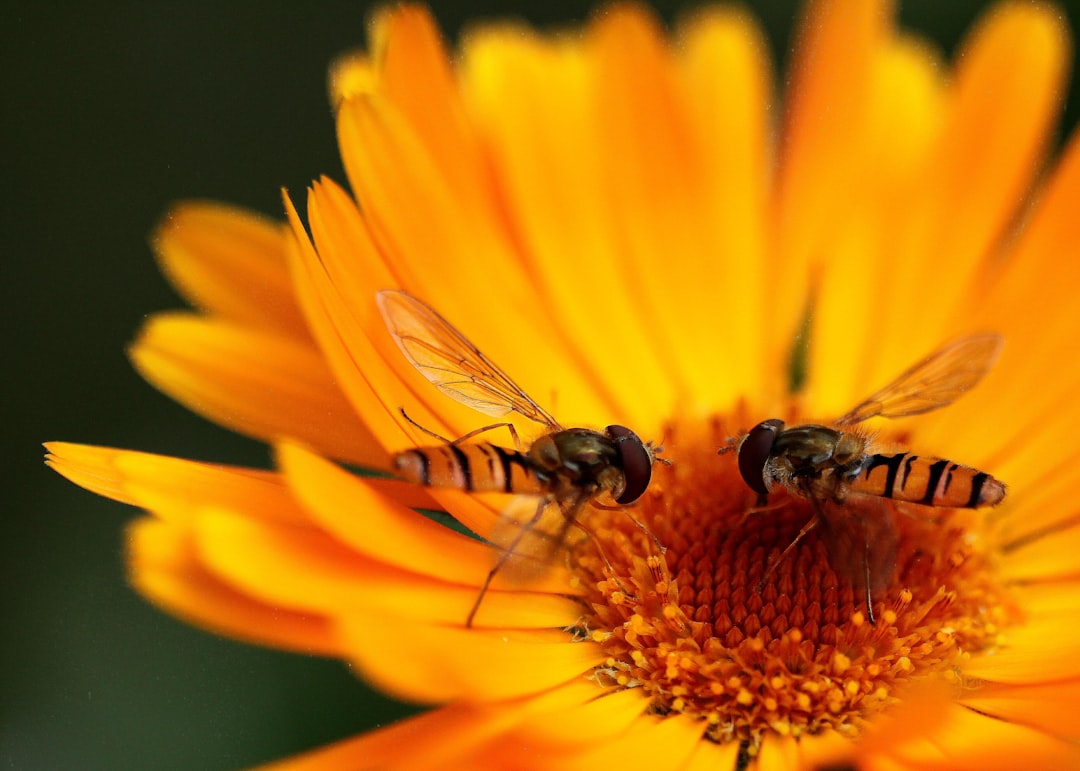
720	627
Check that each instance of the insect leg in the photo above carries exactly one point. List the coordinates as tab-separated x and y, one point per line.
776	562
866	577
470	435
507	552
640	525
600	550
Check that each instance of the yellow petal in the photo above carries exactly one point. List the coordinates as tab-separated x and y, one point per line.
164	567
427	663
231	263
258	383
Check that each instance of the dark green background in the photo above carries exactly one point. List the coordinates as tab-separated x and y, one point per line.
109	114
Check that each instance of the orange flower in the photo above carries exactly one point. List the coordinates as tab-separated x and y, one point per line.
622	223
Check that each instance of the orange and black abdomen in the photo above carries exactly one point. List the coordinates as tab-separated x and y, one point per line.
481	467
926	480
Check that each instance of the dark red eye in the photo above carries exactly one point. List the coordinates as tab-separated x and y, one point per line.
754	452
636	461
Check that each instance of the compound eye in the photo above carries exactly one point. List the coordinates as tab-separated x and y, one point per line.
636	461
754	452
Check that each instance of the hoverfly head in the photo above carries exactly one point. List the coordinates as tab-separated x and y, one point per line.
636	460
754	451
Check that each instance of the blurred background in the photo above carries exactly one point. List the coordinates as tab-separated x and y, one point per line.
113	111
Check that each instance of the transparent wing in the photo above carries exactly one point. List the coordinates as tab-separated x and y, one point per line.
446	357
934	382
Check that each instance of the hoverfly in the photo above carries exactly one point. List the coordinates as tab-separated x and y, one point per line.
570	467
830	466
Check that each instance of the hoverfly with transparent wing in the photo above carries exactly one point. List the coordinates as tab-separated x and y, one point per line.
567	467
835	466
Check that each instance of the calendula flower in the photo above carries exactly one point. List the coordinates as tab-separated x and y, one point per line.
642	231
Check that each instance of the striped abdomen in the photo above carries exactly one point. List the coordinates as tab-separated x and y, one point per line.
482	467
926	480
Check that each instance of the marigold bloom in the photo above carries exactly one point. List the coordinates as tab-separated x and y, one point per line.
625	223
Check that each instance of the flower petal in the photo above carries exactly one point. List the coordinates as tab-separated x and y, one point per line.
478	267
1051	707
148	480
603	716
428	663
316	574
231	263
537	101
164	567
436	739
380	527
1003	104
710	756
1033	653
651	741
968	740
725	73
261	384
823	148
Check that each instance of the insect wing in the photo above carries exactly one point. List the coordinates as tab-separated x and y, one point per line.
533	533
861	540
934	382
453	364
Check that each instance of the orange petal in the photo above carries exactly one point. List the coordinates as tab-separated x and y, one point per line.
230	262
338	281
861	338
710	756
967	740
174	485
724	71
316	574
426	663
536	99
436	739
342	323
415	74
478	267
261	384
1037	652
1051	557
164	567
600	717
1050	708
380	527
824	145
651	742
1003	106
656	188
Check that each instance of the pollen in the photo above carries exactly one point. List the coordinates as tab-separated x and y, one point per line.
718	627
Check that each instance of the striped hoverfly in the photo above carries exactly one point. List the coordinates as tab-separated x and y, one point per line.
836	466
567	467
